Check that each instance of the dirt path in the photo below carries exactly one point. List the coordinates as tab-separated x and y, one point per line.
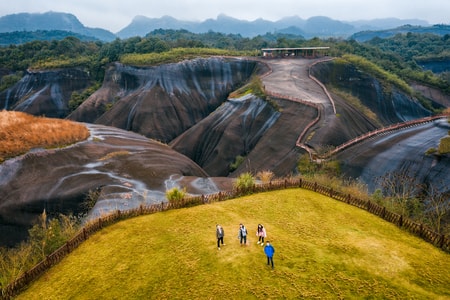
290	77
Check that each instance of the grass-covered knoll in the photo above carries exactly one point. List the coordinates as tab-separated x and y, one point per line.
324	249
21	132
177	54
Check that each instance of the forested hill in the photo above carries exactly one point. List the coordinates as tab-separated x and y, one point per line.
408	56
364	36
51	21
22	37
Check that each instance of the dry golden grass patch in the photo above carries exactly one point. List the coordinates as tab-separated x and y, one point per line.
21	132
114	154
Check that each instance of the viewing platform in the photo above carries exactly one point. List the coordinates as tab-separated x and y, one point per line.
307	52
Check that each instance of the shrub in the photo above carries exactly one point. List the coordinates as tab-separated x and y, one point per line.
175	194
306	167
47	235
431	151
77	98
244	183
265	176
444	145
237	162
10	80
90	199
115	154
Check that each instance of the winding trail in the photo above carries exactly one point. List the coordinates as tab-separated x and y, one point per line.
291	79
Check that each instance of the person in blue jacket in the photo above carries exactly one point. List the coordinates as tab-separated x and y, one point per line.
269	251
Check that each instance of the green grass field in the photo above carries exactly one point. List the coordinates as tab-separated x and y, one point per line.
325	249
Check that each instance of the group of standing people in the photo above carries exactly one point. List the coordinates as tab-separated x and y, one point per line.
242	236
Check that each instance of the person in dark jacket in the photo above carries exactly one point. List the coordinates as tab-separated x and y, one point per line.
269	251
219	234
242	234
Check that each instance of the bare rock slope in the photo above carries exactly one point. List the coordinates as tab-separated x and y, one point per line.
186	106
129	169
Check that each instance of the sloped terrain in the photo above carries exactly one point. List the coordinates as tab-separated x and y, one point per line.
402	151
186	105
162	102
130	169
324	249
45	92
389	104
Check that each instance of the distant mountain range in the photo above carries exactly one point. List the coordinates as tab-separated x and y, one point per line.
313	27
319	26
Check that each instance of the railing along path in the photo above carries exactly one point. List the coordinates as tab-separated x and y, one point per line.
319	108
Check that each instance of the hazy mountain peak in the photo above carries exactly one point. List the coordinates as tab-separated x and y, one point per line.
51	21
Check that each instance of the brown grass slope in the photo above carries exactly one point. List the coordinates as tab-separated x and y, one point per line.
21	132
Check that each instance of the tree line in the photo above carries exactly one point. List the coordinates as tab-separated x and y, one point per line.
400	55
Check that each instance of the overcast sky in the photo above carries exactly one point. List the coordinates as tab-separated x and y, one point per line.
114	15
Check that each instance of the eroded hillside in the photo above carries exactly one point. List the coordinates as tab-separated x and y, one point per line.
162	102
45	92
186	105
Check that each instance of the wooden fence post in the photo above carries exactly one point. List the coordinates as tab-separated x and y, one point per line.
84	233
400	222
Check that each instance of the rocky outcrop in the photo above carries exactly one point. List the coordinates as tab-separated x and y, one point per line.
128	168
438	97
162	102
390	104
234	129
403	151
186	105
45	92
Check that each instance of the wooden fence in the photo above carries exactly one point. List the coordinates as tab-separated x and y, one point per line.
439	240
384	130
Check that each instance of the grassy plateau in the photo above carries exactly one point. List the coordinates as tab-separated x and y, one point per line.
324	249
